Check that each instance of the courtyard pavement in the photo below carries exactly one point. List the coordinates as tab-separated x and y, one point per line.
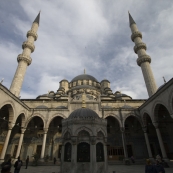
116	168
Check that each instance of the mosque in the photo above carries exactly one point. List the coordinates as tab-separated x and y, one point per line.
84	121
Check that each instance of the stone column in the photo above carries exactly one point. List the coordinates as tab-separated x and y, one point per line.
147	142
161	142
93	164
20	143
124	143
5	145
44	143
62	157
74	153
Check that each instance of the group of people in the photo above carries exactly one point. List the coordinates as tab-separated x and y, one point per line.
6	166
157	167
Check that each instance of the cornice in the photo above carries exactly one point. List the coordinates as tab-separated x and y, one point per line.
5	90
158	92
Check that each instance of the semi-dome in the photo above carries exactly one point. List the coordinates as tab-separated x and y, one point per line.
84	77
83	113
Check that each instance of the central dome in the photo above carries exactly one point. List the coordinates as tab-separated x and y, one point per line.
84	77
83	113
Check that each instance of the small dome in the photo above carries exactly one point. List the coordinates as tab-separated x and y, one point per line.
84	77
83	113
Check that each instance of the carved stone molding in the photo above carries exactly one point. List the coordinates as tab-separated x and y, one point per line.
136	34
26	58
140	46
28	45
33	34
143	58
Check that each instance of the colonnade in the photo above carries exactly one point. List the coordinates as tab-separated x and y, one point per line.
122	129
147	142
20	144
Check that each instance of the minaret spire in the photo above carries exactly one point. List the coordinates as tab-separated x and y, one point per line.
37	19
143	60
24	59
131	21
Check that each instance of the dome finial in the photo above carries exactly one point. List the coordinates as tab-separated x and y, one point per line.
164	79
84	71
83	100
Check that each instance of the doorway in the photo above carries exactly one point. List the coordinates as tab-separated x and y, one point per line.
38	151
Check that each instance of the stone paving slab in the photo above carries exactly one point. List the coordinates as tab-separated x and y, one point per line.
116	168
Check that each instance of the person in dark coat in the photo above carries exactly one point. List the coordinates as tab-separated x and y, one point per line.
17	165
149	168
6	169
159	168
27	161
54	160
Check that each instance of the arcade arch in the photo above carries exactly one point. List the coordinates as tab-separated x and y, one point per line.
164	124
135	140
54	138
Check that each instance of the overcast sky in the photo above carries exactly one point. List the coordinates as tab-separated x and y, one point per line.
90	34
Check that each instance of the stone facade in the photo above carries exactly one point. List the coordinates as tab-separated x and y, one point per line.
142	128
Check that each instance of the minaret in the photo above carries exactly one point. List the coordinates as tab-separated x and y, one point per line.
143	60
24	59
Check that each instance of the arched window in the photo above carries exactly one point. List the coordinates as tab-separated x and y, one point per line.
99	152
83	152
67	152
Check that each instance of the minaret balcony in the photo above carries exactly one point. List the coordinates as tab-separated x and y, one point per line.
143	58
140	46
26	58
136	34
33	34
29	45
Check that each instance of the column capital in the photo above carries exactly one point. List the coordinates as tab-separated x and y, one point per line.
156	125
144	128
23	130
122	129
45	130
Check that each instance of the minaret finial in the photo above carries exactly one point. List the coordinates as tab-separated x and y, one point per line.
164	79
84	71
131	21
37	19
83	100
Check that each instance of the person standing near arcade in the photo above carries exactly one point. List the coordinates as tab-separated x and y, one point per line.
17	165
27	161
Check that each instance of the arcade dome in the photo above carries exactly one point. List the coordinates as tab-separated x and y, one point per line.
83	113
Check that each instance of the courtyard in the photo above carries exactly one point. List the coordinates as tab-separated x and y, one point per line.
111	168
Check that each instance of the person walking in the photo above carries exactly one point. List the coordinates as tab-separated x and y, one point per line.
149	168
17	165
27	161
54	160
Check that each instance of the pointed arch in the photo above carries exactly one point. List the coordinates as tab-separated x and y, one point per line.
115	116
54	116
101	130
83	128
11	109
144	117
155	109
68	130
132	115
35	115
